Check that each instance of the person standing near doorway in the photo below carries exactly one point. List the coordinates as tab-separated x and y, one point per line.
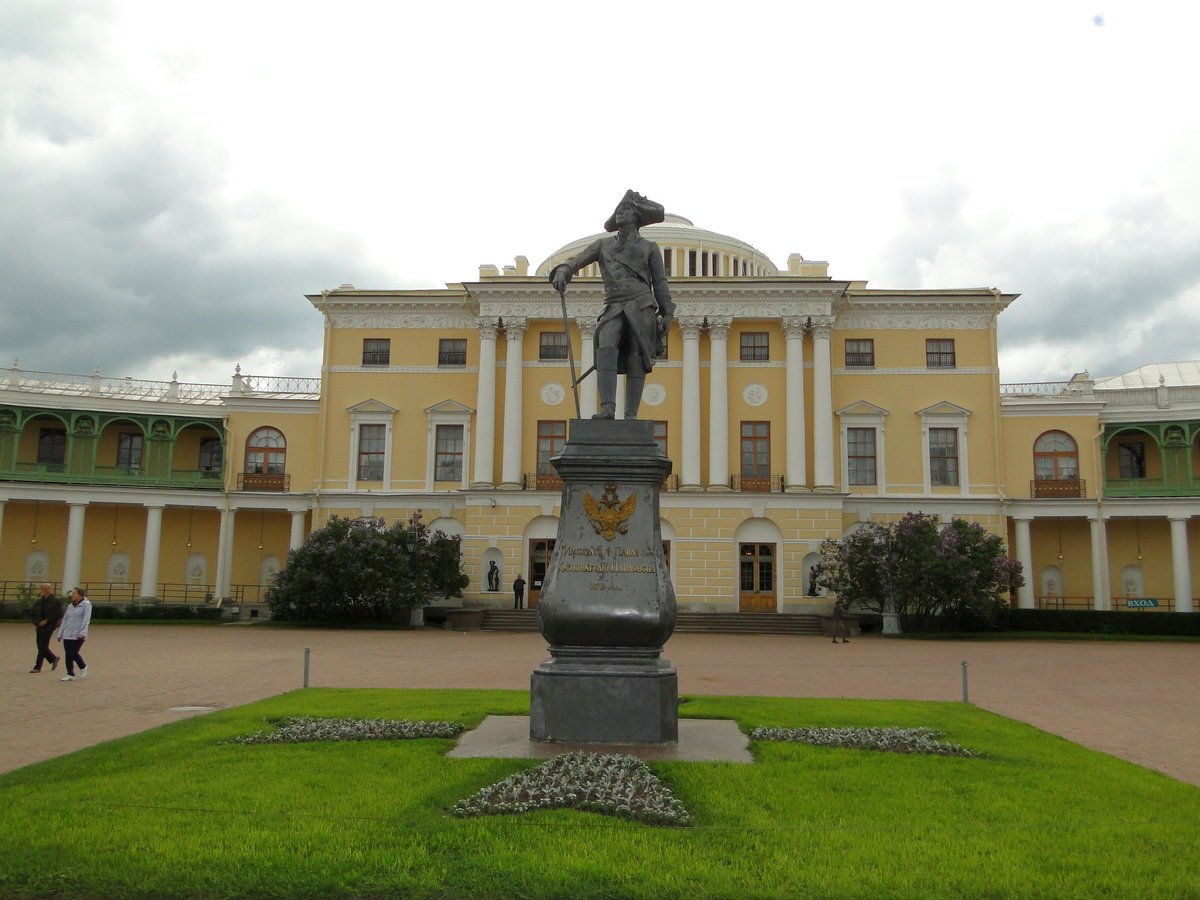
73	632
839	620
519	593
47	613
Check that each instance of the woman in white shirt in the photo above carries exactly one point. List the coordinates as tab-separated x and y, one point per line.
73	632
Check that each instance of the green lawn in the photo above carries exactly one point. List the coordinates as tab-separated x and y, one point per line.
176	812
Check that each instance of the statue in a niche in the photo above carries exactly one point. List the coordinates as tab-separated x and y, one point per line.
632	327
493	576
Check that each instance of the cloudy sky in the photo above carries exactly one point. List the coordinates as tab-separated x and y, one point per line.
174	177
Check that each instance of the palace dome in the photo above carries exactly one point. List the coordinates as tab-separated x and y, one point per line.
688	251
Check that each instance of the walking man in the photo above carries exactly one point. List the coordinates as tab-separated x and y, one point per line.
633	325
46	613
839	621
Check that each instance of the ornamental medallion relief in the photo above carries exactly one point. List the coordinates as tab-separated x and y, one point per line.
553	393
754	394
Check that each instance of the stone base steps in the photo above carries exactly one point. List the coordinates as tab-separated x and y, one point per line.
510	620
748	623
689	623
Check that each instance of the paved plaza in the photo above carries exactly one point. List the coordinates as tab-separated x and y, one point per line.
1137	701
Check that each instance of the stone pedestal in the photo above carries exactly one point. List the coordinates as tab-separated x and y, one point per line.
607	605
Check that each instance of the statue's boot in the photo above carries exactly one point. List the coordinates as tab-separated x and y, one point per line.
606	382
633	394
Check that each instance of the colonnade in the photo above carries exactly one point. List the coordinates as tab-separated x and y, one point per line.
691	329
1181	575
151	550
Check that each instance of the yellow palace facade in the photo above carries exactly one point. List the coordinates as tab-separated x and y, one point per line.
793	406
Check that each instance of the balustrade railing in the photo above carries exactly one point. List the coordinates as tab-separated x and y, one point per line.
756	484
1057	488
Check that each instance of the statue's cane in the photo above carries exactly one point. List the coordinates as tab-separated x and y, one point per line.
562	296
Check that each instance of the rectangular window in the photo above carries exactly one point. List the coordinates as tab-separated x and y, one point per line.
860	353
448	465
860	455
939	353
756	449
377	351
667	254
552	345
210	455
691	262
452	352
552	437
943	456
371	442
129	451
551	441
703	263
755	346
1132	459
52	446
660	437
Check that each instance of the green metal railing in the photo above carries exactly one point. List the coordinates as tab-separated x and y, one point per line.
134	476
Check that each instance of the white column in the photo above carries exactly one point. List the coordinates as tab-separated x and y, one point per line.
485	407
510	469
297	537
149	588
689	471
73	562
1100	592
620	398
823	465
718	404
1180	567
797	461
1025	598
225	553
587	359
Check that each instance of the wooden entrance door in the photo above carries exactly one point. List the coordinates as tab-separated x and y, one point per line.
539	559
756	574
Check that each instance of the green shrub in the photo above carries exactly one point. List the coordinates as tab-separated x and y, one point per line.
1100	622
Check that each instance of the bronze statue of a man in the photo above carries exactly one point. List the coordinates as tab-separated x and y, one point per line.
633	325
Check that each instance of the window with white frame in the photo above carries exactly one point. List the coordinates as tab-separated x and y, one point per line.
944	438
863	462
448	449
860	455
370	444
943	456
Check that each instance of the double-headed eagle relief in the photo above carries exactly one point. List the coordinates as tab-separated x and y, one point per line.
609	515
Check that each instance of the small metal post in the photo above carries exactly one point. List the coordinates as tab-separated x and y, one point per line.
964	668
307	651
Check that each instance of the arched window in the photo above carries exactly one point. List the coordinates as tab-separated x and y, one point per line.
1055	457
266	452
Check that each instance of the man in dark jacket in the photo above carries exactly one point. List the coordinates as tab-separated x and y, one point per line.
47	613
633	325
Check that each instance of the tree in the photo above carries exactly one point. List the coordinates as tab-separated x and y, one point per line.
360	570
916	571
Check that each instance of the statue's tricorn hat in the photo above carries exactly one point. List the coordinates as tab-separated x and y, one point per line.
649	212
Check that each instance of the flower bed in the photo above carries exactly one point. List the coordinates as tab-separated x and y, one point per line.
893	740
307	728
615	785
